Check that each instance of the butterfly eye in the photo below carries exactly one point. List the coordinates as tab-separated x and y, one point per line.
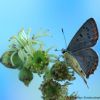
63	50
81	71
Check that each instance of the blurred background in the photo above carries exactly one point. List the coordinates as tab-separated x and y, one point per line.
51	15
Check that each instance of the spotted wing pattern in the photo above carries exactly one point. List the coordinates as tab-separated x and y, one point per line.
80	46
86	37
88	60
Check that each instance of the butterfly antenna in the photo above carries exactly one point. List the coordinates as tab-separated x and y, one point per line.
64	36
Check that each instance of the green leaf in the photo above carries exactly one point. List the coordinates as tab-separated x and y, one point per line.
21	54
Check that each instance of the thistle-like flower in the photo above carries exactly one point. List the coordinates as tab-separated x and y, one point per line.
53	90
60	71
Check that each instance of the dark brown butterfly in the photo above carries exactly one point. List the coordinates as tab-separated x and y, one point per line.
79	49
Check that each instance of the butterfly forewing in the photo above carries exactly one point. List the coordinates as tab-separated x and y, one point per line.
86	37
88	60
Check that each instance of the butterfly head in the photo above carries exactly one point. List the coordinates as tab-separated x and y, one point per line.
63	50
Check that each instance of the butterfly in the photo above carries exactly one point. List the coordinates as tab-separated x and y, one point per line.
79	54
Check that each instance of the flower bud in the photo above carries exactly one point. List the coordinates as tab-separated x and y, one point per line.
6	60
25	76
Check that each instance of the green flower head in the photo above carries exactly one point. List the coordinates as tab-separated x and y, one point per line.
40	61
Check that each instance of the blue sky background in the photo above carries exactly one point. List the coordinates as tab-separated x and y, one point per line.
45	14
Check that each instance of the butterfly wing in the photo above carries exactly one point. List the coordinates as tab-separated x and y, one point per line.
88	60
86	37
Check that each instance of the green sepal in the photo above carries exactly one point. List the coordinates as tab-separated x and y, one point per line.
16	61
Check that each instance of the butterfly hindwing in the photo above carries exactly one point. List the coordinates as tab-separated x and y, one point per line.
86	37
88	60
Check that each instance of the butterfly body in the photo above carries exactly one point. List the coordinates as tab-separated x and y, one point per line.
79	54
71	61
